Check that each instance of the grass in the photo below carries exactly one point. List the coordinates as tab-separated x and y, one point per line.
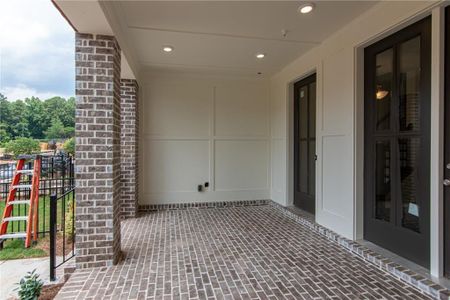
43	214
15	249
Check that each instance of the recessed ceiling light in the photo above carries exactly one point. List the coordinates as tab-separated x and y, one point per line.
167	48
306	8
260	55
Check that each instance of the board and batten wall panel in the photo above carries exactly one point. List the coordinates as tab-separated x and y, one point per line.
241	165
338	134
177	109
198	129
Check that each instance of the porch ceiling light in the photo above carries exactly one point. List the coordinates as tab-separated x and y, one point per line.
306	8
260	55
167	49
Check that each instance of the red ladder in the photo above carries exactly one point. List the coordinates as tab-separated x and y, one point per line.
33	203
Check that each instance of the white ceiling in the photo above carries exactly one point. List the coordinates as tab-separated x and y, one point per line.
226	35
216	36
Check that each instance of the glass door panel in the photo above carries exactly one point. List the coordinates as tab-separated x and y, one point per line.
383	180
409	71
383	86
409	150
397	142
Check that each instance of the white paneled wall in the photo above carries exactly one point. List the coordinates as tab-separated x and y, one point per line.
197	129
339	128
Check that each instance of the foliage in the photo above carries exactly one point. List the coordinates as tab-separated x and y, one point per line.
58	131
68	226
15	249
69	146
30	286
22	145
4	136
32	117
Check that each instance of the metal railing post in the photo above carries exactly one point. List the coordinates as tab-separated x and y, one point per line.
53	211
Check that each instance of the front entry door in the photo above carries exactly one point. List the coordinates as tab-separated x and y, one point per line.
447	148
305	143
397	142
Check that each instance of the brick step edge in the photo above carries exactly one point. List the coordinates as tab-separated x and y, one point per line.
68	270
202	205
421	283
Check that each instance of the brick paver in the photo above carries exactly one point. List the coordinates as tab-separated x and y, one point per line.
232	253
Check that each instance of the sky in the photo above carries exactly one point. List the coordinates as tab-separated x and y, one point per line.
37	51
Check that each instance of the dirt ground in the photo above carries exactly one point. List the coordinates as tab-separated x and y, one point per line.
44	244
50	291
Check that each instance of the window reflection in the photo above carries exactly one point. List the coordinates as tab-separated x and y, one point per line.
384	71
409	65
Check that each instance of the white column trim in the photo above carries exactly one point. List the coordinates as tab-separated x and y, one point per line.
437	143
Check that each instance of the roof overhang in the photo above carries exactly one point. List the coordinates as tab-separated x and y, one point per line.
215	37
88	16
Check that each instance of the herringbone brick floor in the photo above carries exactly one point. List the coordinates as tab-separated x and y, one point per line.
232	253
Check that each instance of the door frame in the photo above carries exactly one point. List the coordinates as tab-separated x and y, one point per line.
302	82
288	190
447	143
377	235
436	11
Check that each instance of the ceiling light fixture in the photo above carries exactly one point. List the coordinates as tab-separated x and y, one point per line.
260	55
167	48
306	8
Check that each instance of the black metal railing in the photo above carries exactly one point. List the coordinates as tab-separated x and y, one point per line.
57	177
62	230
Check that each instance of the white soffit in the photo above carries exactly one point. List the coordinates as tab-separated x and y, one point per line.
224	36
213	36
87	17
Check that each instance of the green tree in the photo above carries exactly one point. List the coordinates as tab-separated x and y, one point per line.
5	107
56	130
22	145
34	117
69	146
63	109
37	118
4	135
18	123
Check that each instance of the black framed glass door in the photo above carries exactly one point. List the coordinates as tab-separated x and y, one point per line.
397	142
305	143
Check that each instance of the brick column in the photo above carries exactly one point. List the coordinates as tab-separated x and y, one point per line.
97	164
129	147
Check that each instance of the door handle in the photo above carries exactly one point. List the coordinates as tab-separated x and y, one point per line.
446	182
